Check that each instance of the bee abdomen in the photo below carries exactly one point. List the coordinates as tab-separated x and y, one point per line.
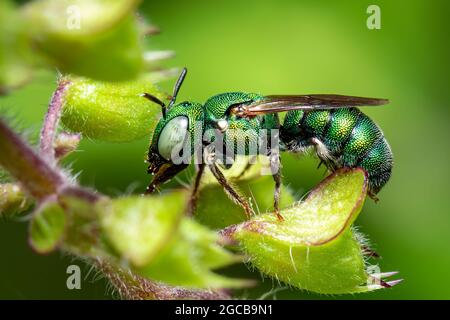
378	164
339	129
354	140
342	138
367	148
315	122
363	136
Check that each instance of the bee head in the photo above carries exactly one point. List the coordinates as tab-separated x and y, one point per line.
172	144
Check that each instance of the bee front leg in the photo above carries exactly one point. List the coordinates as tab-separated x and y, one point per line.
229	189
194	194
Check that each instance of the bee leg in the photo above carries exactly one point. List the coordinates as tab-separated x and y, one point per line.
234	195
275	165
194	194
324	155
373	196
209	159
320	163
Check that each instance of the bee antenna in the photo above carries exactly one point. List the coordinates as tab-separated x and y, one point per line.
156	100
177	87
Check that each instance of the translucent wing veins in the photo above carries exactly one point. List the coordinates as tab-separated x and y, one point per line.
281	103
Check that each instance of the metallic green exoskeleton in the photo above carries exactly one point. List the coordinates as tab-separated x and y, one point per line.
340	134
341	138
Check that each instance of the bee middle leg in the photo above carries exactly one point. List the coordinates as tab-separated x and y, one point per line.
229	189
233	194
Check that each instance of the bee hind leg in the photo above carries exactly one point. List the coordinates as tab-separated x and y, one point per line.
321	162
373	196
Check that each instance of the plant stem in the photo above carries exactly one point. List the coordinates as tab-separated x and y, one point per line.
226	236
133	287
52	117
36	176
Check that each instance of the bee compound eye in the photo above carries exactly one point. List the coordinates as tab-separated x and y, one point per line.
172	137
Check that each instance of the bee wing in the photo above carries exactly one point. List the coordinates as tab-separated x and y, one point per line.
280	103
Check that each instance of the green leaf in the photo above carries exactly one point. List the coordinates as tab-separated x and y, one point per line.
13	201
209	253
152	235
47	227
314	247
328	210
188	258
82	236
94	38
138	227
95	16
15	58
109	111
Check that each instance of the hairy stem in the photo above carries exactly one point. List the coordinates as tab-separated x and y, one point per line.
133	287
48	131
36	176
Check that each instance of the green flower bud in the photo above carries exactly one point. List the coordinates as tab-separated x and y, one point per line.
108	111
13	201
15	58
138	227
47	227
187	260
152	235
94	38
314	248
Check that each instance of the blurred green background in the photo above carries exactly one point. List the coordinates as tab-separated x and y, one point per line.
290	47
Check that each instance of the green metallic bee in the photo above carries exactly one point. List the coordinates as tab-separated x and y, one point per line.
341	135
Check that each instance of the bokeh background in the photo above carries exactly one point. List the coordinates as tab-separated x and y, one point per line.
294	47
